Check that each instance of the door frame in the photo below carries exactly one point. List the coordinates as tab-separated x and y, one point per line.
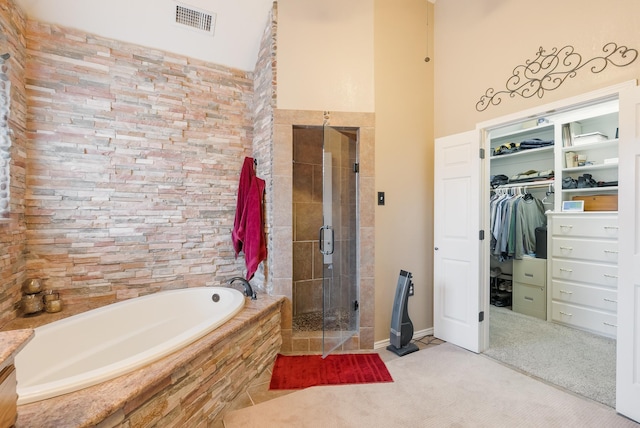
628	351
483	129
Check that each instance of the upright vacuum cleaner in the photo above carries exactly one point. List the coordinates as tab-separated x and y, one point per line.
401	325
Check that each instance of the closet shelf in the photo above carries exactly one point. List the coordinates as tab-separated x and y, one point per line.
528	184
592	167
511	132
603	189
590	146
522	153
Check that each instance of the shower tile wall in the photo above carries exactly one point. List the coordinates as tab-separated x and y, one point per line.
307	217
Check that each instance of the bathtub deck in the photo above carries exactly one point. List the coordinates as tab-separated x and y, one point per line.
107	403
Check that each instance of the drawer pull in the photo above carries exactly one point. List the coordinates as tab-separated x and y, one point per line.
611	227
611	251
530	275
528	298
607	275
566	313
566	226
566	292
566	270
566	248
609	300
609	324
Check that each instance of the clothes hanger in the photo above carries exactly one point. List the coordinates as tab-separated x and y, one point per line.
547	194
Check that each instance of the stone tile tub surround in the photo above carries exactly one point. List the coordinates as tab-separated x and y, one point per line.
104	343
11	342
191	387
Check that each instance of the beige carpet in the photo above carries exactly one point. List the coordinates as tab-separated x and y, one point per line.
582	362
442	386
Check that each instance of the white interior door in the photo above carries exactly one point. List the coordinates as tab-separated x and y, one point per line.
628	337
456	299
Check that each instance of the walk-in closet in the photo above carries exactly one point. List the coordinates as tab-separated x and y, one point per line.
552	235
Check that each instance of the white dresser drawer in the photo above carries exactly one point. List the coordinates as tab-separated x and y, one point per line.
529	300
593	320
589	226
591	273
530	270
595	297
593	249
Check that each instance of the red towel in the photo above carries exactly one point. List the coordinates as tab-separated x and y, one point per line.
248	228
238	233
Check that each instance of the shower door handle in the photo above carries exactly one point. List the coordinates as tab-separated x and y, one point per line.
325	242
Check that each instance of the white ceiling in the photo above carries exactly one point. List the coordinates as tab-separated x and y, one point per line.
151	23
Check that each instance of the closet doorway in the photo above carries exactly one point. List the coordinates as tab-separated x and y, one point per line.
544	310
589	240
325	227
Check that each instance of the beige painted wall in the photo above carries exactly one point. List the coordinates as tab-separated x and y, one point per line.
325	55
326	62
404	159
479	43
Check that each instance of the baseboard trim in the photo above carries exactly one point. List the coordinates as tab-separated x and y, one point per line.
416	335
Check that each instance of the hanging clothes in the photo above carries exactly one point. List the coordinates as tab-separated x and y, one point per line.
513	220
248	227
529	216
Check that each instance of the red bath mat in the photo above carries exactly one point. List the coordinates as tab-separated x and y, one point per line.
301	371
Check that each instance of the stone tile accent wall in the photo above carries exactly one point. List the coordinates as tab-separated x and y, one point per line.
12	225
264	103
134	157
5	132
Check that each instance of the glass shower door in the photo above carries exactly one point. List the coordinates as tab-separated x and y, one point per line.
338	238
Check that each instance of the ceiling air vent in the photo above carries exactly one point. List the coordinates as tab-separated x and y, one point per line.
195	19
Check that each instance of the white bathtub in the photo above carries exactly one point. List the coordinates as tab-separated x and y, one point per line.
101	344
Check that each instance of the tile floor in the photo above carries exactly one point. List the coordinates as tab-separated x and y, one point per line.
258	391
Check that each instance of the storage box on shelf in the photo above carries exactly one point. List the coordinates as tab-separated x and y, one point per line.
584	271
599	202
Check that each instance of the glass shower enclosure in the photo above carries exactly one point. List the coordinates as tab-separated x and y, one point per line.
338	237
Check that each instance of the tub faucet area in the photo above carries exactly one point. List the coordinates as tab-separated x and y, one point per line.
247	287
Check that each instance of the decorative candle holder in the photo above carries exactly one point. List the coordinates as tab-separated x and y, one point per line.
31	304
31	300
53	306
32	286
52	302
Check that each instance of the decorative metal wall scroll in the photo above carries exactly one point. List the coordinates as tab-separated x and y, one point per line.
548	70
